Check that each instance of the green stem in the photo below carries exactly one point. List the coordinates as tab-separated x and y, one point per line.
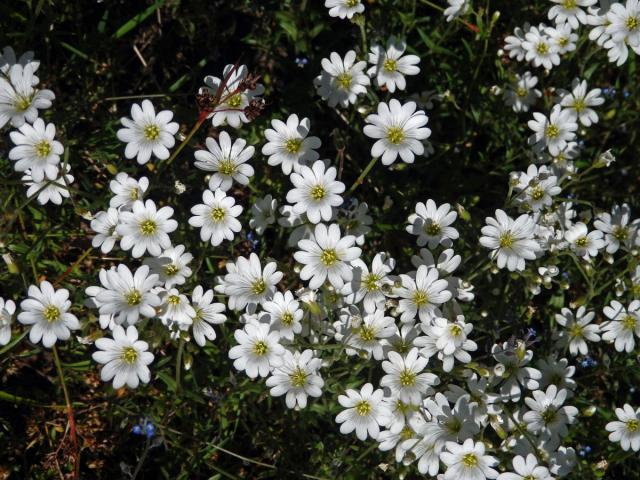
70	417
179	364
193	131
362	176
142	459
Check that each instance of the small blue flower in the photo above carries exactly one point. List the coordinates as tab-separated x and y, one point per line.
150	430
302	61
136	430
587	449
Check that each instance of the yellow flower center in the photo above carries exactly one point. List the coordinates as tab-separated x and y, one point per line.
537	193
569	4
507	240
406	433
260	348
621	233
328	257
563	41
395	135
552	131
298	377
134	297
293	145
174	300
258	287
43	148
632	23
522	92
227	167
133	194
317	192
286	318
456	330
548	415
469	460
129	355
235	101
407	378
170	270
629	322
390	65
352	3
151	132
51	313
363	408
344	81
582	242
217	214
148	227
432	228
579	104
542	48
575	331
367	333
420	298
632	425
371	282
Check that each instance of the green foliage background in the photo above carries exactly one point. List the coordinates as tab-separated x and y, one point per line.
87	58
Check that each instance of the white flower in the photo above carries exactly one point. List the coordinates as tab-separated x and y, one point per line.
624	23
512	370
366	335
341	81
7	309
448	340
171	266
289	144
421	296
562	38
536	188
8	59
216	217
365	412
47	311
577	330
539	49
522	94
432	224
557	372
284	314
125	358
176	312
104	224
227	160
316	191
354	216
616	228
344	8
19	99
570	11
369	286
36	150
400	130
258	351
327	254
579	102
511	241
233	100
146	228
548	416
627	429
554	132
513	43
263	213
48	190
127	190
127	295
526	469
456	9
623	324
390	65
247	284
297	377
586	244
468	461
148	133
404	377
207	314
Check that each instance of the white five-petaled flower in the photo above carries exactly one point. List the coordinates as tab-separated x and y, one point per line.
432	224
104	224
263	213
341	80
284	314
216	217
570	11
577	330
47	311
405	378
36	150
390	65
623	324
365	412
456	9
539	50
554	132
171	266
522	93
586	244
367	333
468	461
626	429
289	144
623	23
549	416
227	160
316	191
148	133
579	101
617	229
369	286
536	187
125	358
400	130
126	190
422	295
511	241
125	295
48	190
7	309
448	340
146	228
526	469
344	8
258	350
233	100
207	313
297	377
19	99
327	254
